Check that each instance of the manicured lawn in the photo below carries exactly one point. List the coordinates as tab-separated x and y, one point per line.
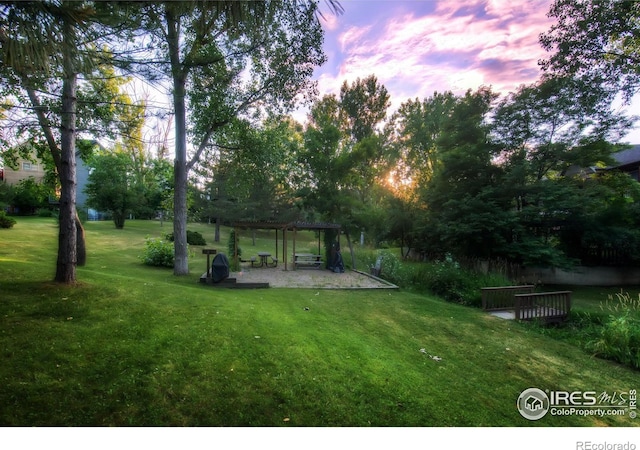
134	345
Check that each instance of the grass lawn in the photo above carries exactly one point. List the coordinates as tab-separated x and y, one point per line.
134	345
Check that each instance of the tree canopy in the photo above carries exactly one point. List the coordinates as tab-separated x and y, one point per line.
595	39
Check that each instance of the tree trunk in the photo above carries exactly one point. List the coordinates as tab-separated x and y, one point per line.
119	218
353	258
181	264
67	250
81	243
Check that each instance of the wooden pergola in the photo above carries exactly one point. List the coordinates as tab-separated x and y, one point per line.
284	227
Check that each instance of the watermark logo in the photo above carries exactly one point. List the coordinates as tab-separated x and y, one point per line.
534	403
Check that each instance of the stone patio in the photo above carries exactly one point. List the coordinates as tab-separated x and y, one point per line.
310	278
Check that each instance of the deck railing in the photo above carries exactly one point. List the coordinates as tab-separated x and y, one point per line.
547	306
502	297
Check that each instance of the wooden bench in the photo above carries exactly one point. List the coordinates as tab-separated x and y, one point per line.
545	306
307	260
502	297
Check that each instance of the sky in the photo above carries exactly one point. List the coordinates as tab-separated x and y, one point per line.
417	47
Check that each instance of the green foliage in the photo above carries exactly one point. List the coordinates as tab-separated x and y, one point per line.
252	182
491	178
29	196
610	331
620	340
344	152
110	186
6	194
445	278
622	303
231	246
595	39
45	212
6	221
454	283
157	253
193	238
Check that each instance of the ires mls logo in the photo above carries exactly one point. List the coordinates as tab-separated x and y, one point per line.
533	404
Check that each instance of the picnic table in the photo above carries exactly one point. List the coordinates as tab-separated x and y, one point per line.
307	260
264	261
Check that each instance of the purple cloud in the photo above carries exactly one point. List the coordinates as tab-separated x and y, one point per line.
417	47
443	45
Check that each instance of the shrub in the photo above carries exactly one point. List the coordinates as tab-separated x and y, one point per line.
231	246
158	253
6	221
619	338
449	281
446	279
620	341
193	238
44	212
623	303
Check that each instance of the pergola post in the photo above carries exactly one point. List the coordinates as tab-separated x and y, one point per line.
276	243
294	248
284	247
236	264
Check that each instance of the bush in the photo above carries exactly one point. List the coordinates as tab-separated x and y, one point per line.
231	245
620	341
619	338
158	253
193	238
44	212
6	221
446	279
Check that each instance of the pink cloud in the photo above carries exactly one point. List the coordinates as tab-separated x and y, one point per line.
461	45
417	47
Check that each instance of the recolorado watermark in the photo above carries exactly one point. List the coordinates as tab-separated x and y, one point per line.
588	445
534	404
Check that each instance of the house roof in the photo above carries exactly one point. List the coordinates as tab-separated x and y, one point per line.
629	156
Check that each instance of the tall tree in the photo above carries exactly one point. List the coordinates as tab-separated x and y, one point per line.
545	131
596	39
41	42
112	185
236	57
253	172
53	66
466	214
556	123
324	189
364	105
414	131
